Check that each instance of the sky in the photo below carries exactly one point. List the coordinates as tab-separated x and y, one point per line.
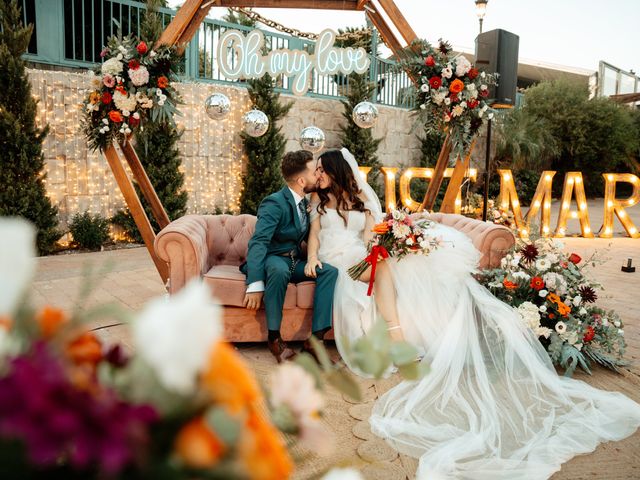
574	33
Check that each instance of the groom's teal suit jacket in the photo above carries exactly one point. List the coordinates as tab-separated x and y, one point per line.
278	231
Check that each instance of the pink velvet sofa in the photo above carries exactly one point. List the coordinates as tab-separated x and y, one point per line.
213	246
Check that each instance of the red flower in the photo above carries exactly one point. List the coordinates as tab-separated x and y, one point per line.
472	73
163	82
142	48
591	333
121	89
564	264
134	122
134	64
537	283
115	116
435	82
552	316
453	97
484	93
106	98
575	258
473	103
429	61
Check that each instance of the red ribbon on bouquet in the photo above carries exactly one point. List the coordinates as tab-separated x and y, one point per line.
372	259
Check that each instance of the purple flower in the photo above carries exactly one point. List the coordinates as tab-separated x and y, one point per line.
59	422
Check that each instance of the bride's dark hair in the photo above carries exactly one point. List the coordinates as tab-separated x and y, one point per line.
344	186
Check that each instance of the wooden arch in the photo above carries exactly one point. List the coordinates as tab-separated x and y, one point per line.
182	29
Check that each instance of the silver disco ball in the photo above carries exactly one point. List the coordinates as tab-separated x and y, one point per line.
365	115
255	123
217	106
312	139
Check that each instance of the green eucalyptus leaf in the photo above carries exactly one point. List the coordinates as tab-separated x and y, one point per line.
344	382
225	427
402	353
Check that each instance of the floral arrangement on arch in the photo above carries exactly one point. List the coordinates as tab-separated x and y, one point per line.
495	214
451	93
556	299
182	405
133	86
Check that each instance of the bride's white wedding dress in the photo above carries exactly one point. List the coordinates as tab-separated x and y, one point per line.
492	407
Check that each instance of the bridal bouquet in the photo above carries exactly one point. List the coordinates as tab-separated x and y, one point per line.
555	298
130	88
396	236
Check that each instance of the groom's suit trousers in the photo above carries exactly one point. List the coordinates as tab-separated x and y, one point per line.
279	275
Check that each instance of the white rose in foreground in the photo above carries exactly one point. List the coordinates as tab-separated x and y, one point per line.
17	261
343	474
175	337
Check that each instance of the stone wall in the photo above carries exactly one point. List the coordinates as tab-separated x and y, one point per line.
212	156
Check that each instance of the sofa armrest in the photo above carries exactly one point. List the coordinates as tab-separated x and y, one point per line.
183	245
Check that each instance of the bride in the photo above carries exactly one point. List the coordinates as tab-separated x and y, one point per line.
492	406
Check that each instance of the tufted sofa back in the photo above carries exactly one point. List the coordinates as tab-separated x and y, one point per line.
228	238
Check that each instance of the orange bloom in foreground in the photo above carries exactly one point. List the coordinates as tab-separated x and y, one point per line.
509	285
456	86
381	228
553	298
115	116
228	380
163	82
262	450
197	445
85	349
50	320
5	322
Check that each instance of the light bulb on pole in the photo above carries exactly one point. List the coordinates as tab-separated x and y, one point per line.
481	8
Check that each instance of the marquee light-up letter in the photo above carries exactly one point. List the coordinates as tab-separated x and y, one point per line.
389	186
419	172
542	198
612	204
509	197
573	182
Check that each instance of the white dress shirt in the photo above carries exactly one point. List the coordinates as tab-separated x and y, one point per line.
259	285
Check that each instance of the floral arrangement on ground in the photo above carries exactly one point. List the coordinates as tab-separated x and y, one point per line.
556	299
451	93
133	86
182	405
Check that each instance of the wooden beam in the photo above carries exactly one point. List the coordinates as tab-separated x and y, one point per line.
361	4
191	29
438	175
387	34
457	177
145	185
180	22
136	209
312	4
400	22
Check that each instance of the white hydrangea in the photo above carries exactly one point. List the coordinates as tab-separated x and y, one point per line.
113	66
139	76
175	337
529	314
462	66
124	102
556	282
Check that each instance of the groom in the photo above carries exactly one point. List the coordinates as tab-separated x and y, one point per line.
275	255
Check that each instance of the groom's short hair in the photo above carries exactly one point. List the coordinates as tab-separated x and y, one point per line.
294	163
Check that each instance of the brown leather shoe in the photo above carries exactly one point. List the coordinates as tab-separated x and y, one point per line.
281	350
308	348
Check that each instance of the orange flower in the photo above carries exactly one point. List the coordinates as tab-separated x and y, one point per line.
6	322
163	82
509	285
50	320
228	380
115	116
456	86
553	298
197	445
85	349
381	228
262	450
95	97
563	309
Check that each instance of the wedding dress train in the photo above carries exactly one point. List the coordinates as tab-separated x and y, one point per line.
493	406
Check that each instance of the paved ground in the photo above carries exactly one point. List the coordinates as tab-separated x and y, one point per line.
133	280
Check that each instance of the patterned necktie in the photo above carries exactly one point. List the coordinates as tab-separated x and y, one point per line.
302	207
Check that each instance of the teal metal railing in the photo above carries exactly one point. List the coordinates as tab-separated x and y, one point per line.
72	33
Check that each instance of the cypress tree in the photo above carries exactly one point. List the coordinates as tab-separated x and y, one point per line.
264	153
22	189
157	148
